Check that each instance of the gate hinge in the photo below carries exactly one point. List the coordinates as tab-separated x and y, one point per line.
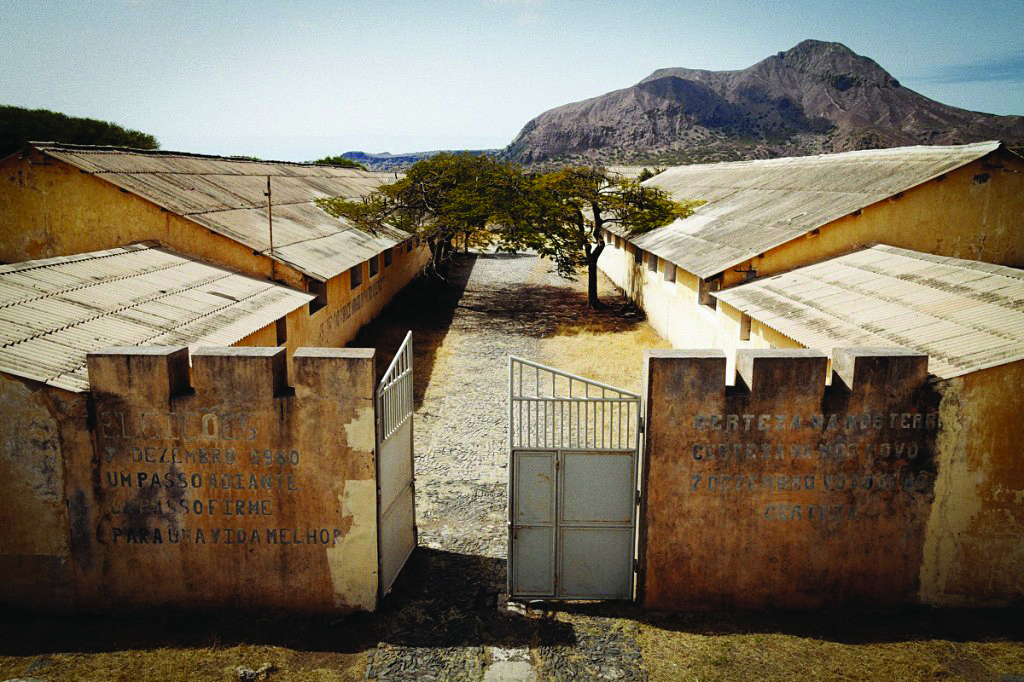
637	501
641	420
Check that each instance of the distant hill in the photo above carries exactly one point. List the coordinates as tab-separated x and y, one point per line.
19	125
386	161
814	98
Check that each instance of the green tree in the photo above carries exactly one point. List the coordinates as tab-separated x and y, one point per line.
339	161
570	209
19	125
441	199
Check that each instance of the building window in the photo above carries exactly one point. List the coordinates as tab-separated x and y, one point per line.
387	258
318	289
652	262
670	272
704	296
282	331
355	275
744	327
638	255
408	246
374	265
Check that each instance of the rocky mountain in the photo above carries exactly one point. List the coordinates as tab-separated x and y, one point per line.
816	97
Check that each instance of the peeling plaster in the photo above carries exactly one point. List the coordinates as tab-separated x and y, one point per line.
353	559
360	433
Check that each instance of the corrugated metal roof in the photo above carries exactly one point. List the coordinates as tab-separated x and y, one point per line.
54	311
228	197
964	314
754	206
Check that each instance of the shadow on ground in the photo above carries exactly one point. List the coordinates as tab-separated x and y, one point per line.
427	307
441	599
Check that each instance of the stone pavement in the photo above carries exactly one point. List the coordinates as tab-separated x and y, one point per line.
448	617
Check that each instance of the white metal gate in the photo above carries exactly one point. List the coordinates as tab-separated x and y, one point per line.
572	485
396	500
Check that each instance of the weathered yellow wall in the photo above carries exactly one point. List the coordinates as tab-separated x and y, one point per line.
787	494
51	208
349	309
235	491
973	212
39	427
974	550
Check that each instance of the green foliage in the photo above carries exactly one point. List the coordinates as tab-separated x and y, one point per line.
572	207
562	214
339	161
647	174
19	125
443	198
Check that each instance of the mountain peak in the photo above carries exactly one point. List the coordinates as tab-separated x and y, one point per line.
816	97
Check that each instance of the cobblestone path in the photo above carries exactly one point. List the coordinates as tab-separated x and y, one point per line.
448	617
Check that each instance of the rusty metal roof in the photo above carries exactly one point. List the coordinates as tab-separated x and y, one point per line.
754	206
966	315
227	196
54	311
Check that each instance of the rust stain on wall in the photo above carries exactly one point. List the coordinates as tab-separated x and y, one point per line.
234	489
781	493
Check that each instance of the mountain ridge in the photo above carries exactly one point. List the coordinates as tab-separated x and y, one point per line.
817	97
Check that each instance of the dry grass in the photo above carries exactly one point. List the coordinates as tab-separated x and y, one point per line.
183	646
884	645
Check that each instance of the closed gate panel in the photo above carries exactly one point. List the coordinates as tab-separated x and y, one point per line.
534	523
597	488
595	563
533	561
572	479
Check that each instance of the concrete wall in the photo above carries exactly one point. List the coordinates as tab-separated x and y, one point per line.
781	493
39	428
974	552
233	489
51	208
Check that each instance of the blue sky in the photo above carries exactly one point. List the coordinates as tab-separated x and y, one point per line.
299	80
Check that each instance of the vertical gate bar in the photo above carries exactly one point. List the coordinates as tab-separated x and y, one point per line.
586	420
511	438
520	403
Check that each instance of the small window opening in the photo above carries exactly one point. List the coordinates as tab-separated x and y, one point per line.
744	327
704	296
670	272
374	265
408	246
387	258
638	255
318	289
282	331
652	262
355	275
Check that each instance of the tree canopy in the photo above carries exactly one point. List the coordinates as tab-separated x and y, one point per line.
19	125
339	161
573	207
562	214
445	197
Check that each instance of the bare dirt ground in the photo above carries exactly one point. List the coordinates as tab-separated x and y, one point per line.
447	617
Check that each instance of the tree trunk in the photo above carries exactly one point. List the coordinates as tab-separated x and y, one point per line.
592	256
